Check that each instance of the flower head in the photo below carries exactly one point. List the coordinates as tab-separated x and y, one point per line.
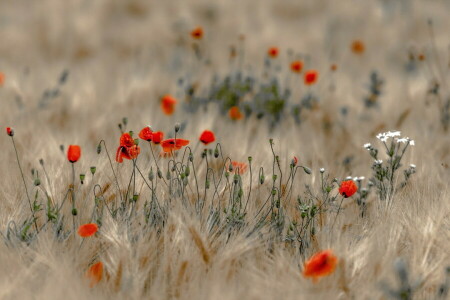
320	264
73	153
146	134
294	161
9	131
87	230
207	137
95	273
197	33
2	79
235	113
273	52
311	77
127	148
157	137
358	47
173	144
297	66
240	167
168	104
384	136
347	188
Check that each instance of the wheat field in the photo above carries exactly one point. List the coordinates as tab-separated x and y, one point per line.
73	70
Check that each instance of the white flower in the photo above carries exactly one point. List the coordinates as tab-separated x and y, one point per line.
412	143
378	162
368	146
382	137
412	166
392	133
361	178
348	178
322	170
402	140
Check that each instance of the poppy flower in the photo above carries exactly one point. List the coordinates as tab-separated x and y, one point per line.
157	137
320	264
9	131
297	66
2	79
173	144
127	152
240	167
294	161
197	33
73	153
146	134
358	47
127	148
273	52
235	113
207	137
87	230
311	77
347	188
95	273
168	104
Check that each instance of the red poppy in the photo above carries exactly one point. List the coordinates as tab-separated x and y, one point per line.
95	273
297	66
168	104
321	264
235	113
240	167
157	137
311	77
2	79
87	230
273	52
9	131
358	47
146	134
173	144
348	188
207	137
73	153
294	161
127	148
197	33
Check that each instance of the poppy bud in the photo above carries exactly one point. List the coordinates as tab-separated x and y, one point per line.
37	182
41	162
187	171
307	170
207	184
10	131
177	127
74	212
261	179
151	176
125	121
82	176
159	173
99	148
250	159
135	197
191	157
61	147
93	169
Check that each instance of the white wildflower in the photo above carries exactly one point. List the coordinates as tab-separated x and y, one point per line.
378	162
322	170
412	166
361	178
392	133
368	146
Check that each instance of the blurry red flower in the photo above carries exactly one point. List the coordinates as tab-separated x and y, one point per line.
348	188
273	52
73	153
321	264
127	148
197	33
311	77
241	166
9	131
168	104
173	144
95	273
2	79
358	47
87	230
294	161
207	137
157	137
235	113
146	134
297	66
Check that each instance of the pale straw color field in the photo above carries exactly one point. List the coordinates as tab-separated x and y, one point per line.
123	56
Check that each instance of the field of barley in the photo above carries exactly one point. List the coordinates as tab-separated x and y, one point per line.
199	149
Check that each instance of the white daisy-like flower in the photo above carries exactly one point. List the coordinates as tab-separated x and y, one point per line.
402	140
348	178
378	162
412	143
322	170
361	178
368	146
412	166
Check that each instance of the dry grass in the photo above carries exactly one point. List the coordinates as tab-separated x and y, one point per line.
124	55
